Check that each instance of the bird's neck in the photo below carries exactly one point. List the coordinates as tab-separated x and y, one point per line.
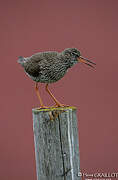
68	60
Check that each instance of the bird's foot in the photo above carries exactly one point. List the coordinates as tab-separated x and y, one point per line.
60	105
43	107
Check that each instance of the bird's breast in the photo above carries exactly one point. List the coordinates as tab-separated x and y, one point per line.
49	73
51	76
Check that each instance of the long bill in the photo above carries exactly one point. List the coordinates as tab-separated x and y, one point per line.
86	61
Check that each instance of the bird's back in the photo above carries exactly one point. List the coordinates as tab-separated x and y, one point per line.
43	66
48	57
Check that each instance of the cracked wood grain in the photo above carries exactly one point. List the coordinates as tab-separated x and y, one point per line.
56	144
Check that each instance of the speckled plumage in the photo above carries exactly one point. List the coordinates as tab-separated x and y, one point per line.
49	67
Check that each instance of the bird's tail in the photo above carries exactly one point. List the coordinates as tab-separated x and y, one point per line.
21	60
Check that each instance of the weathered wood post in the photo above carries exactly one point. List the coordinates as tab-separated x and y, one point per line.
56	143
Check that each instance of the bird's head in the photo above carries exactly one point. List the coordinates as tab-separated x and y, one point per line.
74	56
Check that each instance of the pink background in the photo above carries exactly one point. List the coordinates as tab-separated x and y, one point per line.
27	27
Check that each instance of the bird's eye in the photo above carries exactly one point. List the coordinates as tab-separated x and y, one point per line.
74	53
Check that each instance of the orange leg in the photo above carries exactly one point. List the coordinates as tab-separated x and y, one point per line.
39	97
58	104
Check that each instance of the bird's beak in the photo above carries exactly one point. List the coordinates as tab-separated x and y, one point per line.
86	61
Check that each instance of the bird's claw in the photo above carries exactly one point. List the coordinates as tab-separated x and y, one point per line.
61	105
43	107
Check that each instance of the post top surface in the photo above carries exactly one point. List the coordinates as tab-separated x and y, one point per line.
54	108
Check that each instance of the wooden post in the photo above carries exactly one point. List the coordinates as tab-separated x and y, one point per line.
56	143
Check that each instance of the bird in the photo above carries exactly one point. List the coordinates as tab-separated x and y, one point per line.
49	67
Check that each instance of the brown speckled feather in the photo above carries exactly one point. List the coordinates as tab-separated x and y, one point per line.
50	66
35	64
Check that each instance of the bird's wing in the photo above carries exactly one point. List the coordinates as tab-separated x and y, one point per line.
37	62
44	56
